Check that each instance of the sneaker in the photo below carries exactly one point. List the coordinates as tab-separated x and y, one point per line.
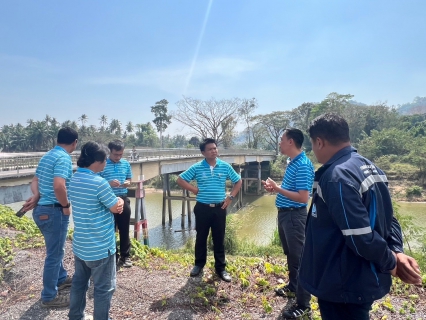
126	262
66	284
297	312
59	302
285	292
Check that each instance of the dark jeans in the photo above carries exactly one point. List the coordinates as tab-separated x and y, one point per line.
122	222
207	218
347	311
291	229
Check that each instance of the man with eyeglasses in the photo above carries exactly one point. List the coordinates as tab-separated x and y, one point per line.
118	173
210	210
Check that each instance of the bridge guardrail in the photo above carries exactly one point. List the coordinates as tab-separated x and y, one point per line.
15	163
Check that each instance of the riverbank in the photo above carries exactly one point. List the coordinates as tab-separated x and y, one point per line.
158	286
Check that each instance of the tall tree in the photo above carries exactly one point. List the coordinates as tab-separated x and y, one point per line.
206	117
246	112
83	118
103	121
162	119
274	124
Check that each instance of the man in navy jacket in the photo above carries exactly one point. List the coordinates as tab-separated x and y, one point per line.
353	241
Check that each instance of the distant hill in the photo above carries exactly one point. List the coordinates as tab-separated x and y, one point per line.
418	106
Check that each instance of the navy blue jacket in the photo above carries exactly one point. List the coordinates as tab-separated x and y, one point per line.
350	232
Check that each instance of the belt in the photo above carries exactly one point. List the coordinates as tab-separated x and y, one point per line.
122	196
211	205
289	209
53	205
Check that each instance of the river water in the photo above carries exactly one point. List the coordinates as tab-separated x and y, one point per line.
257	219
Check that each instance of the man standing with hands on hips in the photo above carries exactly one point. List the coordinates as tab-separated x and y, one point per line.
291	202
210	210
118	173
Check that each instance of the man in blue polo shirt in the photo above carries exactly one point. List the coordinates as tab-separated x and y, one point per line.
93	244
353	242
52	213
118	173
291	201
210	210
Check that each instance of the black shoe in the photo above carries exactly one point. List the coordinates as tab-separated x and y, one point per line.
297	312
224	276
196	271
285	292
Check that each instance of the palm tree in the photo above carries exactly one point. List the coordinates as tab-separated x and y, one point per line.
115	126
38	135
129	127
103	121
83	118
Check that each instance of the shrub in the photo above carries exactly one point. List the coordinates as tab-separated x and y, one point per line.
414	191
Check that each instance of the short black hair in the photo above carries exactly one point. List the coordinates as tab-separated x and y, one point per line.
205	142
116	145
90	153
331	127
296	135
67	135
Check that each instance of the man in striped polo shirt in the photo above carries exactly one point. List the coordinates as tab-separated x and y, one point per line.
118	173
210	210
291	201
93	244
52	213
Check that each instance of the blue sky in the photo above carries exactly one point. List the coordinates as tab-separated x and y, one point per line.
68	58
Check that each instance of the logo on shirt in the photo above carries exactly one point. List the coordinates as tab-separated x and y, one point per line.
314	211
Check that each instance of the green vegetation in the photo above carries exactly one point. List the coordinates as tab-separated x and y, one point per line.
255	269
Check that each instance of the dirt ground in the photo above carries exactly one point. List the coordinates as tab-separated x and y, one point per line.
160	291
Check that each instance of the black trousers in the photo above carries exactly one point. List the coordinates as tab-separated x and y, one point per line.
348	311
122	223
207	218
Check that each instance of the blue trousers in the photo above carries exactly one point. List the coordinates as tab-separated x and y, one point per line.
103	273
53	224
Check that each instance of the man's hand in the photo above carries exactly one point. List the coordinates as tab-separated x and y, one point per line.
120	205
66	211
114	183
267	186
125	184
226	203
31	202
407	269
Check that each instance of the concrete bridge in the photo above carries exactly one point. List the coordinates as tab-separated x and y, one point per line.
16	170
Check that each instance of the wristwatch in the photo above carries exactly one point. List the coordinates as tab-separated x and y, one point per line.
67	206
231	197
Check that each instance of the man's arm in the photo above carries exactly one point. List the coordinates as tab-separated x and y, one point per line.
118	206
186	185
235	188
353	219
32	201
301	196
61	194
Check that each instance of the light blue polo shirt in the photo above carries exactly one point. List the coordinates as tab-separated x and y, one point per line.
299	175
94	231
55	163
120	171
211	181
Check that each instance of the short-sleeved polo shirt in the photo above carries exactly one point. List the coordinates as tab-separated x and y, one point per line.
299	175
120	171
94	232
55	163
211	181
